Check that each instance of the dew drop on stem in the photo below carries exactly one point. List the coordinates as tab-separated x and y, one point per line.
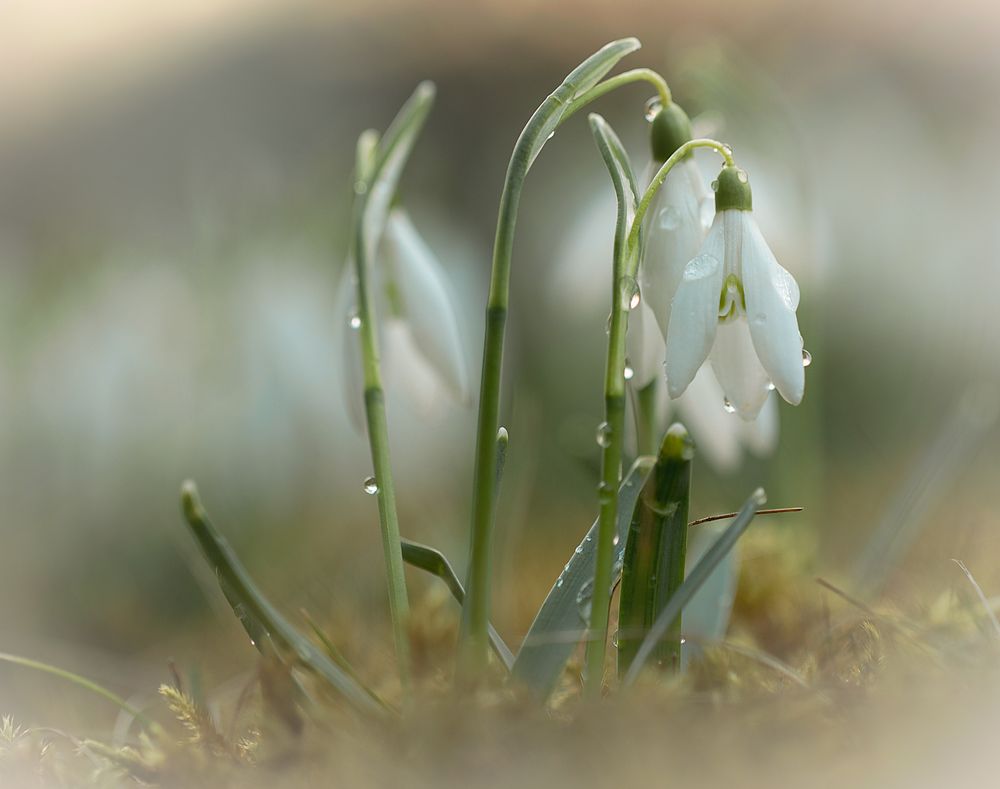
603	435
370	486
807	358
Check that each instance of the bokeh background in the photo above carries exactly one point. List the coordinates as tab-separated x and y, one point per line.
174	196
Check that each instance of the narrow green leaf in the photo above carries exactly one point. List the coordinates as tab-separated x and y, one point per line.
579	81
655	552
83	682
255	612
622	178
561	622
432	561
698	575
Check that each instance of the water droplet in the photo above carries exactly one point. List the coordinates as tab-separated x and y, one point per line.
616	540
669	218
583	600
715	185
741	176
603	434
652	108
578	550
551	135
807	358
354	319
614	639
628	373
629	290
360	187
607	326
770	386
371	486
559	582
728	407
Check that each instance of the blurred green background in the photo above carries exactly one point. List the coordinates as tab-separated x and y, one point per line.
174	197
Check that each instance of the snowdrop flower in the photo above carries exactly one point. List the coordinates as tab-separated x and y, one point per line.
735	305
420	345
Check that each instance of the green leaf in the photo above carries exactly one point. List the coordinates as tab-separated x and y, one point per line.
386	166
550	113
695	579
655	552
561	621
436	563
256	613
623	179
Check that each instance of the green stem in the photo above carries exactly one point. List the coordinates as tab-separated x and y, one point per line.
474	641
647	427
617	81
378	439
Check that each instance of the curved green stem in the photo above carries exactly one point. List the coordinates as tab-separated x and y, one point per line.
617	81
474	642
654	186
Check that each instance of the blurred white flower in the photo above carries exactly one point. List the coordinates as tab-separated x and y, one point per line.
421	350
736	305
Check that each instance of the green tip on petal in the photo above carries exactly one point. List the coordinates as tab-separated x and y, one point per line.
671	129
677	444
732	190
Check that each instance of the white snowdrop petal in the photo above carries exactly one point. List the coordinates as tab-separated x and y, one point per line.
744	381
694	317
674	235
407	370
771	299
426	302
644	345
351	377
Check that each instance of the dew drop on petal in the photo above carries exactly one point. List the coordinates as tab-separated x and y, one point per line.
652	108
603	434
728	407
559	582
770	386
807	358
741	176
371	486
578	550
669	218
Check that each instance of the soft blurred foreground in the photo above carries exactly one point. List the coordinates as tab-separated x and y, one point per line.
174	208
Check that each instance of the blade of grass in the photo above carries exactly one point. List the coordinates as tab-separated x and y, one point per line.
432	561
655	552
256	612
698	575
84	683
560	623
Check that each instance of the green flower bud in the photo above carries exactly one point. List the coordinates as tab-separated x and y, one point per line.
671	129
732	190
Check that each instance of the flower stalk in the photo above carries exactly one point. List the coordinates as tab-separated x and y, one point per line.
626	266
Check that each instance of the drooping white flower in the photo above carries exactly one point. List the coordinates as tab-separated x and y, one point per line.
736	305
420	346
